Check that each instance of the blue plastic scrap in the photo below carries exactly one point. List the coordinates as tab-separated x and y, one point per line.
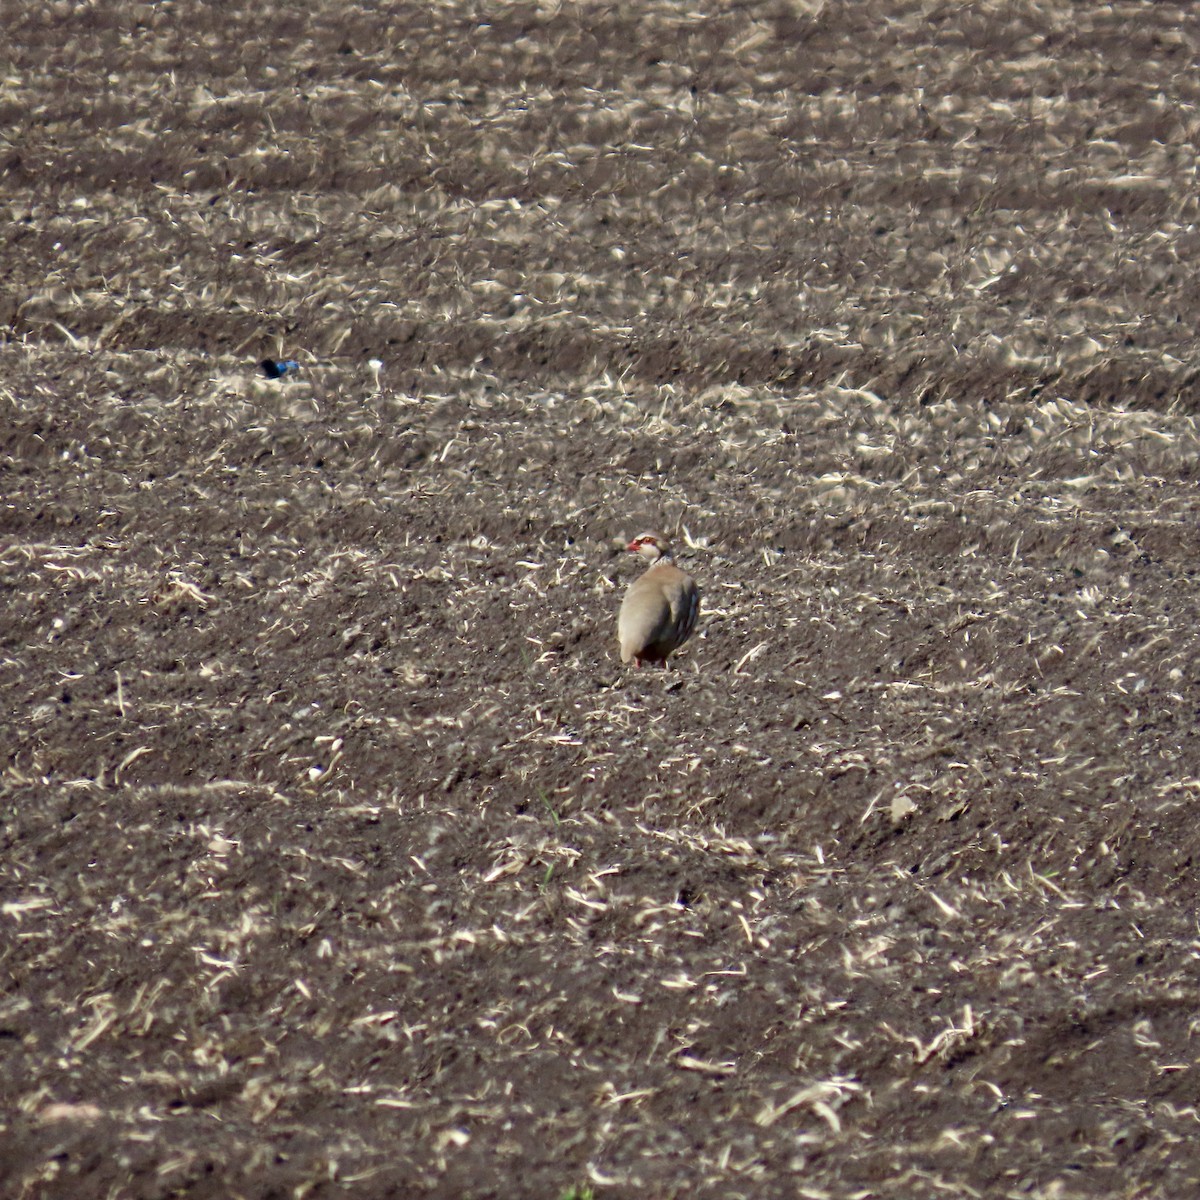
274	368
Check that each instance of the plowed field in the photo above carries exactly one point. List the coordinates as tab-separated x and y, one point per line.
339	854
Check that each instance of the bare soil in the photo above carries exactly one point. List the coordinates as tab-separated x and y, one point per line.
340	855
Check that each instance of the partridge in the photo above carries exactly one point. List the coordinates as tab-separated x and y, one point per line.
659	611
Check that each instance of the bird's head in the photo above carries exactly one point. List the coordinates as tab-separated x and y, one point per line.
651	546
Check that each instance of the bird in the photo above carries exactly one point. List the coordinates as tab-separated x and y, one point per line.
660	608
